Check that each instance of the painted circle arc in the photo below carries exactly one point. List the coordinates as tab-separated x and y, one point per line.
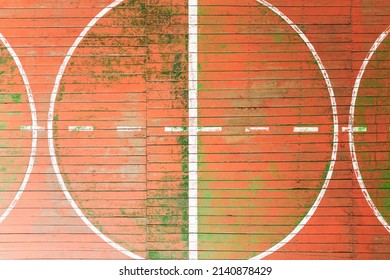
123	164
369	128
17	139
264	174
98	118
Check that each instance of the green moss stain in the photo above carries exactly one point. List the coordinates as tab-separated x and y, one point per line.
60	94
16	98
280	37
325	173
384	203
255	186
171	47
177	69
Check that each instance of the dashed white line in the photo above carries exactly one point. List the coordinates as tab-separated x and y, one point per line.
355	129
176	129
257	128
303	129
29	127
80	128
210	129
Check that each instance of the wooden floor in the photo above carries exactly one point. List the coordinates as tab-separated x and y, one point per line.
162	129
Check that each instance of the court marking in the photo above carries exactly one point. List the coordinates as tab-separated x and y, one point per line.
129	128
305	129
80	128
199	129
193	129
34	124
50	119
257	128
355	163
30	127
355	129
329	174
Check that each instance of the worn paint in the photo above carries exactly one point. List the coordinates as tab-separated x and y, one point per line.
131	71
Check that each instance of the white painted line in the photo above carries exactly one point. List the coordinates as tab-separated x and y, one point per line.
355	163
128	128
34	132
51	140
199	129
210	129
355	129
80	128
303	129
328	177
193	128
176	129
29	127
257	128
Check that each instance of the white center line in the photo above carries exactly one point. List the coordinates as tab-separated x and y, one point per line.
128	128
257	128
193	129
80	128
303	129
199	129
355	129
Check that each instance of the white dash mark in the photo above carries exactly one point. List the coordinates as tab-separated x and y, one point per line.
80	128
302	129
29	127
257	128
128	128
355	129
210	129
199	129
175	129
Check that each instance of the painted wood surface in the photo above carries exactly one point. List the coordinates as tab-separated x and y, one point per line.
200	129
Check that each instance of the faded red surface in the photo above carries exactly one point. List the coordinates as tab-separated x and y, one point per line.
133	185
